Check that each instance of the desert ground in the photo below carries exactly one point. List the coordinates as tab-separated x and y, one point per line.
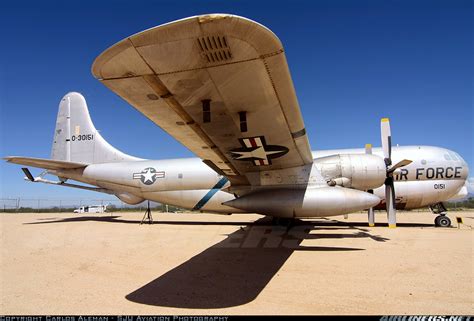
64	263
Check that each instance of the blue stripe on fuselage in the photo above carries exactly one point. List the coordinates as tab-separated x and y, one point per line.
210	194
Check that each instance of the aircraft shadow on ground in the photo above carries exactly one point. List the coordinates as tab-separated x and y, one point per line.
320	224
234	271
118	219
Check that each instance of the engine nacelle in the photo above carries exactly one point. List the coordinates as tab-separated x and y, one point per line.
129	198
359	171
310	202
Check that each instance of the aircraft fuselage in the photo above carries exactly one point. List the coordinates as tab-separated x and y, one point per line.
435	175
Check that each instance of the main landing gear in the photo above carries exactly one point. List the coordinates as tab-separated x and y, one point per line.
442	220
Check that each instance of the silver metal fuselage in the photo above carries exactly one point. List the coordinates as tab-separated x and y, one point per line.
435	175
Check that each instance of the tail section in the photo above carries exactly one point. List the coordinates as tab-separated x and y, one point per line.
77	140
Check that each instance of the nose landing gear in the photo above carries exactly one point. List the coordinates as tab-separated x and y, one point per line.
442	220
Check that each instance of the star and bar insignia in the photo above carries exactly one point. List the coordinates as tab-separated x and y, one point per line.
255	149
149	175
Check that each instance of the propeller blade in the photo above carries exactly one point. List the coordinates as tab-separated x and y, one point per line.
401	163
390	202
386	140
371	213
368	149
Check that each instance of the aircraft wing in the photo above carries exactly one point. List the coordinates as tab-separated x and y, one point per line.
43	163
220	85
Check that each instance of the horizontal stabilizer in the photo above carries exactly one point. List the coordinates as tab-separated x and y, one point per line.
43	163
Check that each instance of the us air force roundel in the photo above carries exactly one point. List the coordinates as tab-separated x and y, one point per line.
148	176
255	149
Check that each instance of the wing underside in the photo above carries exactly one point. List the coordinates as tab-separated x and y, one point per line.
220	85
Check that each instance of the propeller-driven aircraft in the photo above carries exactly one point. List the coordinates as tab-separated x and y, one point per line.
221	86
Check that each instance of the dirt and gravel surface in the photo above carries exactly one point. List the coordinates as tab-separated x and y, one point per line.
210	264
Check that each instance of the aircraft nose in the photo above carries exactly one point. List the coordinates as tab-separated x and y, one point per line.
458	158
464	164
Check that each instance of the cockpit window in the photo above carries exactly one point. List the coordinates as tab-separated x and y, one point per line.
453	156
446	157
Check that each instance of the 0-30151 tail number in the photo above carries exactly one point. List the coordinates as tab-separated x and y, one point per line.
82	137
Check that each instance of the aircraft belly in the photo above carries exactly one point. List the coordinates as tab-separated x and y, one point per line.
202	200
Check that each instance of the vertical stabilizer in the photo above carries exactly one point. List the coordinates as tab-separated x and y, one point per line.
77	140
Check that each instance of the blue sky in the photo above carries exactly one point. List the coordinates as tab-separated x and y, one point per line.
352	62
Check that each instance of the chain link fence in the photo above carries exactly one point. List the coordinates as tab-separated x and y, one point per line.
68	205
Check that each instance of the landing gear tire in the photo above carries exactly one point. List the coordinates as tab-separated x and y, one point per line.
442	221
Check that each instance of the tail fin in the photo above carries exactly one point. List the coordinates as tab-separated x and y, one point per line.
75	137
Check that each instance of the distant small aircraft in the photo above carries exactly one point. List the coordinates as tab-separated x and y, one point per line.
221	86
91	209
